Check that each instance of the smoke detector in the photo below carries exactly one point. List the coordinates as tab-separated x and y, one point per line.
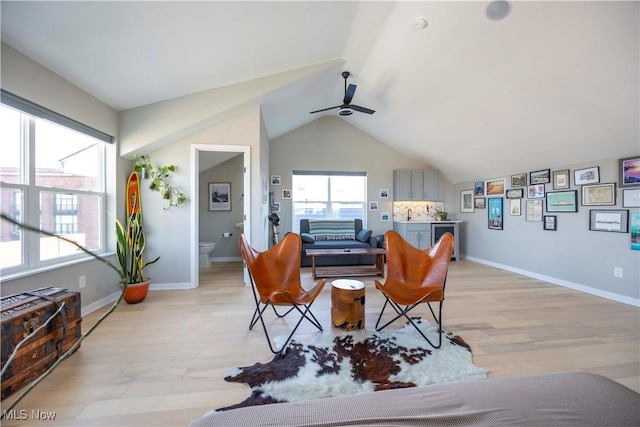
498	10
421	23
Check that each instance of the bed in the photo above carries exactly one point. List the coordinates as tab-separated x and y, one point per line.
562	399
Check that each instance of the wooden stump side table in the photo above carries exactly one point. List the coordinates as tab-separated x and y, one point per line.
347	304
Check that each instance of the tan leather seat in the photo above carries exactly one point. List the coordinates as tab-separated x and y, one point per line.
415	276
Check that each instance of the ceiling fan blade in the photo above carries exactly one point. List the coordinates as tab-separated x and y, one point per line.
361	109
325	109
348	94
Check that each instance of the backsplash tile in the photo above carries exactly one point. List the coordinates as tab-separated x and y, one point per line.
420	211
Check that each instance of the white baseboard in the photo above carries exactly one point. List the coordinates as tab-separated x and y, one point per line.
226	259
170	286
576	286
90	308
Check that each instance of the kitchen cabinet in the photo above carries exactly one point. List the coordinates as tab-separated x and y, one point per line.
415	184
417	234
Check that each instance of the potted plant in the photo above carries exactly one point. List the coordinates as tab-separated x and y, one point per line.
130	245
440	215
160	180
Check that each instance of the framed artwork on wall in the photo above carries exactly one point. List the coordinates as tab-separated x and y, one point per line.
495	187
587	175
466	201
515	207
478	187
539	177
631	198
550	222
614	220
534	210
495	213
384	216
373	206
562	201
629	172
519	180
480	203
561	179
535	191
515	193
286	194
599	194
275	180
219	196
384	193
275	207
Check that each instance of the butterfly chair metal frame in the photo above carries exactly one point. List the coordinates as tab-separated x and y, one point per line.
275	281
415	276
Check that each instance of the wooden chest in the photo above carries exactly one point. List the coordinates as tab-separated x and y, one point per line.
22	314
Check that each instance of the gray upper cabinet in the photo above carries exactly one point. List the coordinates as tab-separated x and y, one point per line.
415	184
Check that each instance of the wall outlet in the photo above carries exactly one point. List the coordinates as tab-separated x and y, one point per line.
617	272
82	282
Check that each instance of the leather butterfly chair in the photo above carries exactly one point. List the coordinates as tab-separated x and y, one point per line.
415	276
275	280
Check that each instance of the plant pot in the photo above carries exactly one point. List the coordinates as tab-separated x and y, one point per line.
136	292
144	173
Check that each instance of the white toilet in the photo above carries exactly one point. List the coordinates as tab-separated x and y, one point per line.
205	249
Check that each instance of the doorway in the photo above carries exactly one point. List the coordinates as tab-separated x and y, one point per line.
196	151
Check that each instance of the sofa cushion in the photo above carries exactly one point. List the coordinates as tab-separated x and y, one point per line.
363	235
332	229
307	238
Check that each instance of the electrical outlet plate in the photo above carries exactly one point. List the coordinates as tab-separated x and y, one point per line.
82	282
617	272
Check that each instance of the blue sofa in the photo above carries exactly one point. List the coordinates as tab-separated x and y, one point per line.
336	234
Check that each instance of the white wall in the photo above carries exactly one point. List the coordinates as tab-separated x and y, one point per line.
572	256
331	143
30	80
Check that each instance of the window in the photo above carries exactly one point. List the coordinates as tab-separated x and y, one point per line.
52	175
328	195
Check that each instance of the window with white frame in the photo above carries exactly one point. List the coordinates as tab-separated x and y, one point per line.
328	195
52	175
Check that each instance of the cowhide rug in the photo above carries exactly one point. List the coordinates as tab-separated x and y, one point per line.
356	362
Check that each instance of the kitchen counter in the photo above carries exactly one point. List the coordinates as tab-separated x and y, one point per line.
428	222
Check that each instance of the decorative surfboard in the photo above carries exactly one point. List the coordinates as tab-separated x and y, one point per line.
134	202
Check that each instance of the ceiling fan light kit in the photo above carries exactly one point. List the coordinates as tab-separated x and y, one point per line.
347	109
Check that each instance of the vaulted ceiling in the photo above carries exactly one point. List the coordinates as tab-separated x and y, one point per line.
550	84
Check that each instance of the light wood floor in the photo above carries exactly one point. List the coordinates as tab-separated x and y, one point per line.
162	362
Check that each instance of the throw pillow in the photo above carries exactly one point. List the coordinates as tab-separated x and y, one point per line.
307	238
363	235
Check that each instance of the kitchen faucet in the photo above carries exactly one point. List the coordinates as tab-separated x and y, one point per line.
408	214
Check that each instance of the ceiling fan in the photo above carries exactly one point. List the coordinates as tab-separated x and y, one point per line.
347	108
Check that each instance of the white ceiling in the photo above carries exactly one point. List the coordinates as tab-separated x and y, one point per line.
554	83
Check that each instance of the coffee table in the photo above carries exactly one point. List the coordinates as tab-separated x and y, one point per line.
347	270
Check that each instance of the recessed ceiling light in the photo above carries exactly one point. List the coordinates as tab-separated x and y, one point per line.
498	9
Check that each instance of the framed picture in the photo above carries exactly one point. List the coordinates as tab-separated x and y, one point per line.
275	207
384	193
635	231
373	206
384	216
514	209
539	177
534	210
478	188
466	201
629	170
219	196
495	213
480	203
561	179
550	222
599	194
515	193
275	180
495	187
519	180
535	191
587	175
631	198
286	194
615	220
562	201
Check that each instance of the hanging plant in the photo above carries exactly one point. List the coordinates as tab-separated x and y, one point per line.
160	180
